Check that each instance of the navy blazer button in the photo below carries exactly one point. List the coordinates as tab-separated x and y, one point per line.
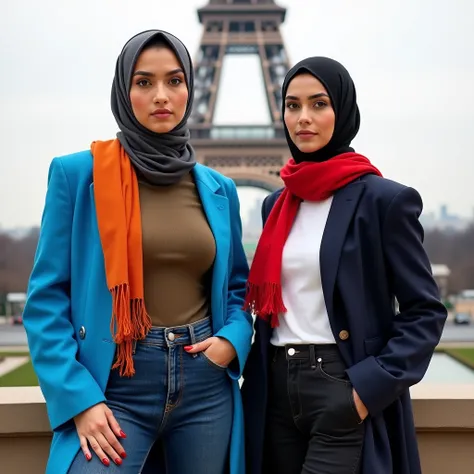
82	332
344	335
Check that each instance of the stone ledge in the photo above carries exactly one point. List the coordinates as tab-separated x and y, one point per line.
435	406
443	407
444	419
22	411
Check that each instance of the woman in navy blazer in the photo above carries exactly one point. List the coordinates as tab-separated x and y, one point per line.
326	385
134	312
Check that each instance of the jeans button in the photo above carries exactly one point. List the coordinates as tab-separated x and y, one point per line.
171	336
291	351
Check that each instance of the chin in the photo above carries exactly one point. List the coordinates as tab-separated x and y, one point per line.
308	147
161	128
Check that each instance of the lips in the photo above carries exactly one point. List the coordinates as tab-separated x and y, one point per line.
161	112
305	133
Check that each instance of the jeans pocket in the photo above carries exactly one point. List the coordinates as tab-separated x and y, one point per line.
334	371
341	410
332	378
340	414
213	364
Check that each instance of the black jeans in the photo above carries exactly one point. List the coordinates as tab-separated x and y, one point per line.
312	423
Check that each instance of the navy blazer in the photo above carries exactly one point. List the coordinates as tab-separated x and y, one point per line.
371	256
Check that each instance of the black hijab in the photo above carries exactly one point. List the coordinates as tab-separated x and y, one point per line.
341	90
158	158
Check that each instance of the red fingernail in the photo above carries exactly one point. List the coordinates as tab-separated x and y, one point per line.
122	434
106	462
118	461
124	455
88	457
188	348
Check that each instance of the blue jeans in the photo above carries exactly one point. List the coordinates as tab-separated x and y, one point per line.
179	401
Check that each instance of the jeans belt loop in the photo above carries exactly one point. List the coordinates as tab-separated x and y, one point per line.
192	337
312	356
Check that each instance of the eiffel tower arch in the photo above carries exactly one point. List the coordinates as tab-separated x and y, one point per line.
250	154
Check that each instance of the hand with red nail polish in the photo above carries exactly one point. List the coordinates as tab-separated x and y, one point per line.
217	349
98	428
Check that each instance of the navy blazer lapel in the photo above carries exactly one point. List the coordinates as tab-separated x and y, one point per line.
343	206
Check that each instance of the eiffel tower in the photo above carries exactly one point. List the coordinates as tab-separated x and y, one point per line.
252	155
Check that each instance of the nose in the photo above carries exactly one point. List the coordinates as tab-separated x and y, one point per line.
161	96
304	117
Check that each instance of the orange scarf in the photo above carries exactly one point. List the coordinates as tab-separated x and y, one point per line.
118	215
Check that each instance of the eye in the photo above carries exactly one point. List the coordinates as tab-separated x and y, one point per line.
176	81
320	104
291	105
143	82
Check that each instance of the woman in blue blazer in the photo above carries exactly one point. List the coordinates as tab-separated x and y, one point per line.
134	312
326	385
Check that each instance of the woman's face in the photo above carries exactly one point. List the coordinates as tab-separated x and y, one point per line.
158	91
309	116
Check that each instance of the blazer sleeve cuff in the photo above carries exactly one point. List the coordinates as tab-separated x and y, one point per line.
68	404
239	335
375	386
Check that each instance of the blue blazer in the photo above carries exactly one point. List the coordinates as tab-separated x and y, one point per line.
371	253
67	313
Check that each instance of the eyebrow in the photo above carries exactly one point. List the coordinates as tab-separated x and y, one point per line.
150	74
311	97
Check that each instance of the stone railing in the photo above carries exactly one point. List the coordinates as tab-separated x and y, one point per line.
444	417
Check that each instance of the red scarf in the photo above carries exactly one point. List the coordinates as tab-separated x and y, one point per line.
308	181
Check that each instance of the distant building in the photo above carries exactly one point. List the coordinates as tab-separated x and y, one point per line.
15	303
444	221
464	302
441	275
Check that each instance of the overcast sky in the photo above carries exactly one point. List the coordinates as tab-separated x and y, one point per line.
412	62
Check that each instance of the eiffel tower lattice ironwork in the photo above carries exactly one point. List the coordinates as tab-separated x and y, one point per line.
251	154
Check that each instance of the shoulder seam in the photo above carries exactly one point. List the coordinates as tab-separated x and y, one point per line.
66	179
392	202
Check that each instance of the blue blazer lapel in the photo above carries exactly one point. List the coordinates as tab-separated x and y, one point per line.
216	208
340	216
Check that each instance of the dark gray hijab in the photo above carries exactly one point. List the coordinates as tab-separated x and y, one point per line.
159	159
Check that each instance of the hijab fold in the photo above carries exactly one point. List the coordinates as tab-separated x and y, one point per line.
159	159
341	90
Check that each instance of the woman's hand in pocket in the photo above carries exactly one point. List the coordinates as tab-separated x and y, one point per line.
361	408
217	349
98	428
